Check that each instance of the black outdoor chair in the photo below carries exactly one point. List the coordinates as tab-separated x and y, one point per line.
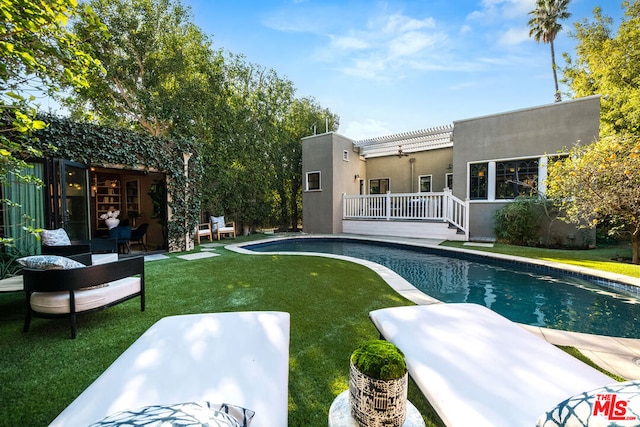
137	235
122	234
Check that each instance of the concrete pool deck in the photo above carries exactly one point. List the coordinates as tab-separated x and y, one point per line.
620	356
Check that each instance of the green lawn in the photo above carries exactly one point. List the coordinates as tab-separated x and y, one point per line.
42	371
603	258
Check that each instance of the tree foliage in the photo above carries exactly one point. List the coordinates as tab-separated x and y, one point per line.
37	55
609	64
254	156
545	26
599	183
160	68
163	77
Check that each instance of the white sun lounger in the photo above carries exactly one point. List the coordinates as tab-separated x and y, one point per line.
239	358
479	369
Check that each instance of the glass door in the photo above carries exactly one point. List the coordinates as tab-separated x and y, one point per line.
73	200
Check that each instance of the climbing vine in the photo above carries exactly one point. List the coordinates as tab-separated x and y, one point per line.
104	146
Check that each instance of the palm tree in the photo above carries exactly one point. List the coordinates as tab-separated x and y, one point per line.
545	26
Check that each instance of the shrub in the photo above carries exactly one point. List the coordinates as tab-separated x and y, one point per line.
518	222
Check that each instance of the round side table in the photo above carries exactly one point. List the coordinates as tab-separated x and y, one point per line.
340	413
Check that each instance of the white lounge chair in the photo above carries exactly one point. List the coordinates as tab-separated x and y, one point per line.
239	358
479	369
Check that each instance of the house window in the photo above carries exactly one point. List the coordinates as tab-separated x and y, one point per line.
345	155
378	186
313	181
516	178
478	181
425	184
448	178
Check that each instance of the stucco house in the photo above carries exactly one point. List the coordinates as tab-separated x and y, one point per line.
445	182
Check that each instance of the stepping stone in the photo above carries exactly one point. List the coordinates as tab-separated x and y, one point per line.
155	257
197	255
210	245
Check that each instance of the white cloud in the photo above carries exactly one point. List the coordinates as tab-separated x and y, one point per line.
388	46
398	23
349	43
500	10
411	43
514	36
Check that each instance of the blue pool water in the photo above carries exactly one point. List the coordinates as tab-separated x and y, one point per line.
521	294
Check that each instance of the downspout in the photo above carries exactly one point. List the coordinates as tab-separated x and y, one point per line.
412	162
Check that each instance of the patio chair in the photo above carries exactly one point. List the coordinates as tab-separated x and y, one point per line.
122	234
219	227
137	235
203	230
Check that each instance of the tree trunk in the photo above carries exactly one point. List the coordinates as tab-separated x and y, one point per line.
635	245
555	74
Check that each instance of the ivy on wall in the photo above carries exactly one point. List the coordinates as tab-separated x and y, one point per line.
97	145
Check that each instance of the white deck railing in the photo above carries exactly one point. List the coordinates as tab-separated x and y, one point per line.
409	206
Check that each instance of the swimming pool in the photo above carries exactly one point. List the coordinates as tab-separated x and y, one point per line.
522	294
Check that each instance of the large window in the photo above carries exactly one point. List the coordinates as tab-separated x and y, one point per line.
425	184
313	181
516	178
378	186
478	181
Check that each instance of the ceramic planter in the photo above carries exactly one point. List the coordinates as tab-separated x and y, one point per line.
377	403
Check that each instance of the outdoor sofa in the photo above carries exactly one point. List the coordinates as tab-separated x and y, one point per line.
58	286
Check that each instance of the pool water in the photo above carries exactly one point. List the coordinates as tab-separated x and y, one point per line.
528	297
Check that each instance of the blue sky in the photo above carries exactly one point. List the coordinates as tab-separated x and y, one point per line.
395	66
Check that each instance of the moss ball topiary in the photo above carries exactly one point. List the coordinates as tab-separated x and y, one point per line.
379	359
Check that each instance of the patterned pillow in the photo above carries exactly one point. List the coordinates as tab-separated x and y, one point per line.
615	405
217	222
49	262
57	237
182	414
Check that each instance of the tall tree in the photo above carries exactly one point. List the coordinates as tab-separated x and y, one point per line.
160	67
37	54
600	183
545	26
608	64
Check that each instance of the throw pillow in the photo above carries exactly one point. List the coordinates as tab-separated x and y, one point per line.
49	262
57	237
182	414
217	222
615	405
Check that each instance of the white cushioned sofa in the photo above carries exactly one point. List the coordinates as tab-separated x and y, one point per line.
65	287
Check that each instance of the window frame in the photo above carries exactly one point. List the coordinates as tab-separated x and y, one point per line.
509	174
308	181
430	179
481	183
380	181
448	180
